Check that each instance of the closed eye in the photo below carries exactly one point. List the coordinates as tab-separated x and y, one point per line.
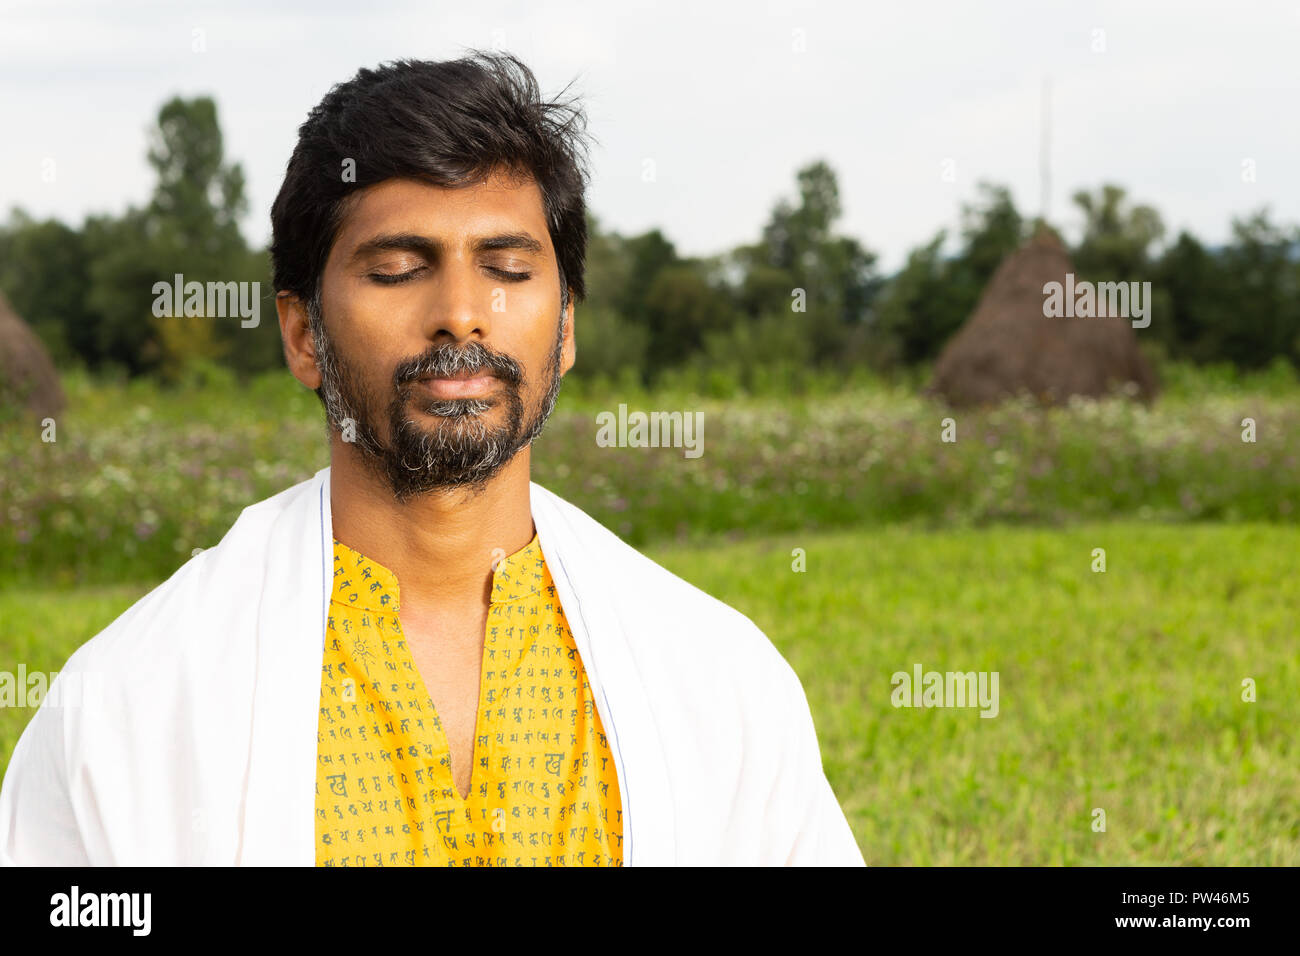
395	278
510	276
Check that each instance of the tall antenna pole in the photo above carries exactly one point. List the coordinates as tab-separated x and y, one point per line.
1044	157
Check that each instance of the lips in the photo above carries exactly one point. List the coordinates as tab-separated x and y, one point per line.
463	384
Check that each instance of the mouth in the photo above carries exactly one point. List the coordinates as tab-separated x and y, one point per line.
460	385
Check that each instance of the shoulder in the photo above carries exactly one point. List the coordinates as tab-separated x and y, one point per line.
155	627
670	617
731	713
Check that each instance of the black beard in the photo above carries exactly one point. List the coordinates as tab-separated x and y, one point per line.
460	452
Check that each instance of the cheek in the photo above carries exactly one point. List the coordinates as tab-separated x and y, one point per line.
541	349
362	341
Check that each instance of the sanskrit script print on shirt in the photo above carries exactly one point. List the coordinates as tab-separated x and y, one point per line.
544	790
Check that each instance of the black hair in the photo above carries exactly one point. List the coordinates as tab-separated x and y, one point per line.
446	123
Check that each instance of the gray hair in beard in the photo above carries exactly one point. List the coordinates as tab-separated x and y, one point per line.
462	451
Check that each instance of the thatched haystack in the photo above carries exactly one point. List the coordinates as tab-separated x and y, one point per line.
27	376
1008	345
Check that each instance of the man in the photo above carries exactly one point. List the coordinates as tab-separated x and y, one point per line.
418	656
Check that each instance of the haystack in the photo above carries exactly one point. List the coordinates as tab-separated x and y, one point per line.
1008	345
27	376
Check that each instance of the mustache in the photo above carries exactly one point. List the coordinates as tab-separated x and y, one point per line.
446	360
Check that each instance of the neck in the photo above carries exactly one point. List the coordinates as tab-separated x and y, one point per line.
440	545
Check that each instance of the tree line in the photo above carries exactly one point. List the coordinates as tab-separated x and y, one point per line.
802	295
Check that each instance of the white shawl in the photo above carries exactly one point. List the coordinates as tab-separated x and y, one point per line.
200	748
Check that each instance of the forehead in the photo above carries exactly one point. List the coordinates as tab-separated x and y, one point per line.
495	205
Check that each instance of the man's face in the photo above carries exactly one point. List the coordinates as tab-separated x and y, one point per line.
442	338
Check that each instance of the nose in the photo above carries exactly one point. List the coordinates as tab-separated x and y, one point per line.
457	310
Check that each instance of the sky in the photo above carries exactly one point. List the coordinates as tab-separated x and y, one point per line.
1191	106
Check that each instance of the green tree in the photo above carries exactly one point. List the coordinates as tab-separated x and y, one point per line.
680	308
919	309
188	227
44	272
992	228
1240	303
645	256
198	198
800	268
1261	320
932	295
1117	236
1196	290
124	264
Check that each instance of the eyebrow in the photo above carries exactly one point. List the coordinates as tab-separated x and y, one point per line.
430	247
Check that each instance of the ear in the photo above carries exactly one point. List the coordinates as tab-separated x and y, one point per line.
295	333
569	351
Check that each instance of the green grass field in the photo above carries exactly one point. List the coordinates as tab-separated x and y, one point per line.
1119	690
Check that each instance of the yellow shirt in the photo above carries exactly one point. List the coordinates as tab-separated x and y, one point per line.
544	789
